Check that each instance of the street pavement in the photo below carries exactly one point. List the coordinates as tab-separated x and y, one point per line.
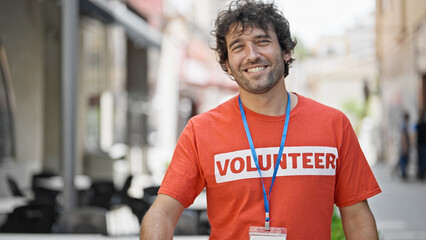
400	210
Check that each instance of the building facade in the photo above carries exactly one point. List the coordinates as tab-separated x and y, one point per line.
117	53
401	56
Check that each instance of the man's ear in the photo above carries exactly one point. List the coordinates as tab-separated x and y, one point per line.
286	57
228	69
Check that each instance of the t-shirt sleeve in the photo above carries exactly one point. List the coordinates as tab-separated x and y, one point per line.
184	179
355	181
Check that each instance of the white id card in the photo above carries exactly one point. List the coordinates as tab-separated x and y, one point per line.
275	233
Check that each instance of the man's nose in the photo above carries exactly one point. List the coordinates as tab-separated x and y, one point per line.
252	52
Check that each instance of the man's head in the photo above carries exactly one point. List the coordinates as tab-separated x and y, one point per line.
406	116
246	15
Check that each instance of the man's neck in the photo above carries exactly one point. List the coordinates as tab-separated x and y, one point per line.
270	104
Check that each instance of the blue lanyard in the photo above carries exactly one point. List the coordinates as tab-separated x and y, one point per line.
256	161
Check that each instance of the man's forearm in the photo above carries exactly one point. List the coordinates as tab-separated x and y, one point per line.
358	222
156	224
366	232
161	219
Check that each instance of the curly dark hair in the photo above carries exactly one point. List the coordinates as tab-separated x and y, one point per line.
249	14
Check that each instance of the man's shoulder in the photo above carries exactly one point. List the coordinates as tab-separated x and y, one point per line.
313	105
223	112
313	110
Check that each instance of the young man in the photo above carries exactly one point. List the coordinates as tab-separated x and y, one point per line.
266	157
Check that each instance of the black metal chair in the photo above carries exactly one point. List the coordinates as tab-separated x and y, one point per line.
101	194
14	188
42	194
139	206
33	218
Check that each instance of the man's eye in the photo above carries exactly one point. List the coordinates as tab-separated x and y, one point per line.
264	41
237	47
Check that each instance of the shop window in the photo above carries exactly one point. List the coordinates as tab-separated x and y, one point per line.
7	129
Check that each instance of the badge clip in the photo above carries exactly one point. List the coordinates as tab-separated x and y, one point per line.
266	225
267	222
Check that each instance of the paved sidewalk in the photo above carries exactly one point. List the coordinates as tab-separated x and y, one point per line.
400	210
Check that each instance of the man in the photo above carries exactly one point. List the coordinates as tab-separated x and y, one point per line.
405	145
262	165
421	146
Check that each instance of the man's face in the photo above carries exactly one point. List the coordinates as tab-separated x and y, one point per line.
255	59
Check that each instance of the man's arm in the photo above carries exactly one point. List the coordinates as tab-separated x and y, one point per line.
358	222
161	219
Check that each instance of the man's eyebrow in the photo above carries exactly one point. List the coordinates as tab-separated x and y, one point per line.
261	36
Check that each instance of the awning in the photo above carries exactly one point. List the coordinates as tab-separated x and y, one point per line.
137	28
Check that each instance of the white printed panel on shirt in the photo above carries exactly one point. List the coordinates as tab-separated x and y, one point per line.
295	161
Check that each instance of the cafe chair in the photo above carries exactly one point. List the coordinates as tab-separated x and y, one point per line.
139	206
43	194
33	218
14	188
101	193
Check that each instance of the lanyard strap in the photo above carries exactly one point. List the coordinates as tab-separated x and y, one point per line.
256	161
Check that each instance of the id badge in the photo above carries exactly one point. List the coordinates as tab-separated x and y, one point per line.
275	233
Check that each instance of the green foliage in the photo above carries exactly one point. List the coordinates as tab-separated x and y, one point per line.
357	111
336	227
301	51
354	108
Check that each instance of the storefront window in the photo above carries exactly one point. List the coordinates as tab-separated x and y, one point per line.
7	133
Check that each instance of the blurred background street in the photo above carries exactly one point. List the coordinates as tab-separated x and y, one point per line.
95	93
400	209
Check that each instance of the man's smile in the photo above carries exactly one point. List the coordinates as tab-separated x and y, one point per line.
255	69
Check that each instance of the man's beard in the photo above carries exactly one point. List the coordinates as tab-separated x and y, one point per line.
259	86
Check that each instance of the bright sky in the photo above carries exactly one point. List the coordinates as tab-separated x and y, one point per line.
310	19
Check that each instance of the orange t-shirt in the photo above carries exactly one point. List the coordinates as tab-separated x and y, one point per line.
322	165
